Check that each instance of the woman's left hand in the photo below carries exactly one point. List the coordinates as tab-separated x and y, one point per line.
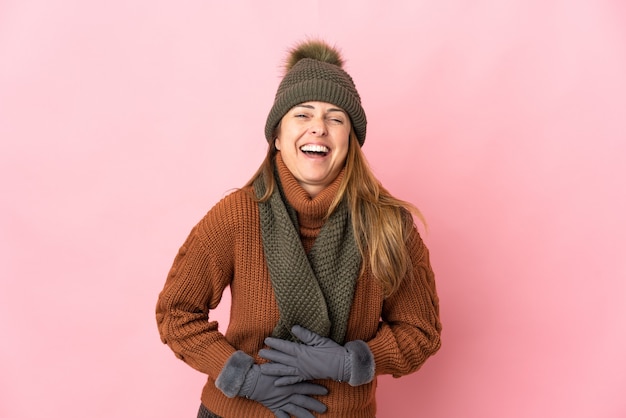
317	358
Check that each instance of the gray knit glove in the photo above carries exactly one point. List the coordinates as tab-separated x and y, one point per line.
318	358
241	377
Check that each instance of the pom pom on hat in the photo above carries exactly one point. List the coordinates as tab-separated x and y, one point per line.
316	50
314	72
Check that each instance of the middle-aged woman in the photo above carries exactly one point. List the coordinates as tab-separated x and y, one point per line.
331	284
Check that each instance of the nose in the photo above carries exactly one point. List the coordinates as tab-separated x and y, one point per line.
318	127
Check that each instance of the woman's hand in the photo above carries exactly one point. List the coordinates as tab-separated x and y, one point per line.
317	358
241	377
283	401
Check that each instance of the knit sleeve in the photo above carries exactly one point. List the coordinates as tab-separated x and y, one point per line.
410	330
200	272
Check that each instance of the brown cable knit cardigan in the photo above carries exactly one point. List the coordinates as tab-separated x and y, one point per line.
225	249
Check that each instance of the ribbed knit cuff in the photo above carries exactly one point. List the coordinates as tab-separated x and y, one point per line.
250	382
361	363
233	375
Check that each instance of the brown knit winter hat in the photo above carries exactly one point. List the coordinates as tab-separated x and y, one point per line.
314	73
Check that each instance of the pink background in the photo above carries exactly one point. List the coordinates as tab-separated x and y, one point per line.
123	122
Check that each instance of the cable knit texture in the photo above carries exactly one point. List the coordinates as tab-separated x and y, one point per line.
225	249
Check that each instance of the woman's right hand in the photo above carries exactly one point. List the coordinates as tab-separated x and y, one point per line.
241	377
284	401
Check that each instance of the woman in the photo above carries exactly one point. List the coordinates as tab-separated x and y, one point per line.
330	281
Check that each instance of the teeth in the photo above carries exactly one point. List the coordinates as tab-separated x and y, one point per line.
314	148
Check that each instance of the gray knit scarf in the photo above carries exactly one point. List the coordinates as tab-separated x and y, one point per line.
313	291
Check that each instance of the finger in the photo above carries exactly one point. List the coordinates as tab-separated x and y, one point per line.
307	402
307	388
276	369
306	336
297	411
288	380
281	414
277	356
282	345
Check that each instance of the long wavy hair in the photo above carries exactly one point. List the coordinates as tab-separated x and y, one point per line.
381	222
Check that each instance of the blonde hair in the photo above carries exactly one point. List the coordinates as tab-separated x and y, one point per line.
381	222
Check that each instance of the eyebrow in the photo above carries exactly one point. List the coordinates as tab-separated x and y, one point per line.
332	109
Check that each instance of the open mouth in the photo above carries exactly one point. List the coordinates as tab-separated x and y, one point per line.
315	150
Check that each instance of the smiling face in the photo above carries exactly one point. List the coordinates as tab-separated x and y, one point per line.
313	140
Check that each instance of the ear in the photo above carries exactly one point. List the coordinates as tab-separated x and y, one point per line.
276	143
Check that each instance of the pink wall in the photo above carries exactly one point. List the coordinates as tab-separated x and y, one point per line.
122	122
